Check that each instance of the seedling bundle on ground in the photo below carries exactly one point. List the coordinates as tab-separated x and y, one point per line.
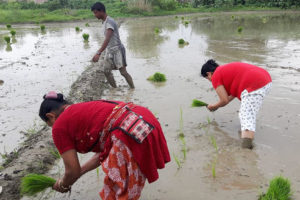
86	37
13	32
240	29
198	103
43	27
157	30
7	39
157	77
35	183
279	189
8	26
87	25
77	28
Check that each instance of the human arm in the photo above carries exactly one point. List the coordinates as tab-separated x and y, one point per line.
108	35
91	164
224	99
72	171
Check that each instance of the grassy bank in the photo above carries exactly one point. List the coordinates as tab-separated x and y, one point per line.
44	15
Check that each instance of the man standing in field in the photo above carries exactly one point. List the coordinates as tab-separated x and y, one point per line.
114	55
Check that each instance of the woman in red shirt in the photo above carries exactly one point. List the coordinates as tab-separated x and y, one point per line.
127	140
246	82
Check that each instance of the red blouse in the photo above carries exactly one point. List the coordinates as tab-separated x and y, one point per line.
237	77
79	126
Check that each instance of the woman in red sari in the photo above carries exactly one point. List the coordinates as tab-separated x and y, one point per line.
127	140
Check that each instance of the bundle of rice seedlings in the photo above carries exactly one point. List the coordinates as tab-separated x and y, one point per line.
43	27
157	30
186	23
182	18
85	37
198	103
8	26
77	28
181	41
87	25
176	17
279	189
7	39
157	77
13	32
240	29
34	183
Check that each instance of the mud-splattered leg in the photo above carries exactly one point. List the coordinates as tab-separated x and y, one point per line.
127	76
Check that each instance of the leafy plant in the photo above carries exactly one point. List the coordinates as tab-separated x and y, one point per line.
77	28
157	77
8	26
7	39
34	183
240	29
279	189
85	37
13	32
198	103
43	27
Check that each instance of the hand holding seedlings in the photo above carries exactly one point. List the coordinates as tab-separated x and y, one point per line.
212	108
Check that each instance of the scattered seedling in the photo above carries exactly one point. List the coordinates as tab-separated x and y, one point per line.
214	143
232	17
86	37
157	30
208	120
264	20
8	26
43	27
177	161
213	168
158	77
87	25
7	39
181	135
240	29
198	103
55	153
34	183
176	17
97	170
279	189
182	18
77	29
182	42
13	32
186	23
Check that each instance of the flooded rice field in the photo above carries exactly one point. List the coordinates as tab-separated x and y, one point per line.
53	60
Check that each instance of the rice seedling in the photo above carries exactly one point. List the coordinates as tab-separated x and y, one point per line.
43	27
186	23
176	17
177	161
213	169
182	18
97	170
77	29
55	153
240	29
8	26
279	189
181	41
86	37
208	120
264	20
31	184
13	32
198	103
7	39
232	17
157	77
157	30
87	25
214	143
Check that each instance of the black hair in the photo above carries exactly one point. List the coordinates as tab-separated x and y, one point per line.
98	6
209	66
51	104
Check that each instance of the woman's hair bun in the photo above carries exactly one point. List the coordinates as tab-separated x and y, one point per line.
54	96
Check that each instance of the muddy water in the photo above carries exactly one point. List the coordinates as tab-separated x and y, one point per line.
270	40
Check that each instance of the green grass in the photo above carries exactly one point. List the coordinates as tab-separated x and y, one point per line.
198	103
158	77
13	32
240	29
85	37
77	29
55	153
43	27
8	26
32	184
279	189
7	39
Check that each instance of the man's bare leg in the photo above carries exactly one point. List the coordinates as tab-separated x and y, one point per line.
110	78
127	76
247	137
